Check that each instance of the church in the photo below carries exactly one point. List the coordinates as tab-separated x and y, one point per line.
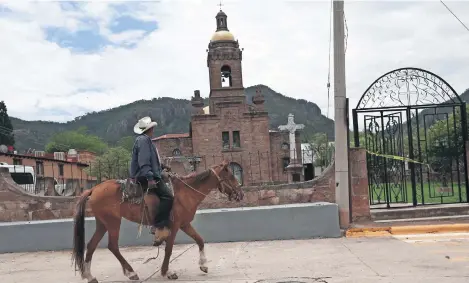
231	128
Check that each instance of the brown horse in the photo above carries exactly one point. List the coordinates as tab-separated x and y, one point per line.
106	203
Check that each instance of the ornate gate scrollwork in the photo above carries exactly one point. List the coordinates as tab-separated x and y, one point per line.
415	114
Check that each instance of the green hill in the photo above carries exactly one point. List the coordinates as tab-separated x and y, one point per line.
431	118
172	115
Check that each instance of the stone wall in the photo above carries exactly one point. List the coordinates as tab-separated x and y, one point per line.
319	189
16	205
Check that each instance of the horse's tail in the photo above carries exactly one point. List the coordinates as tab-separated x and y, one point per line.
78	254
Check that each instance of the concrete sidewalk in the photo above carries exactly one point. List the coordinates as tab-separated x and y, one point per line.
360	260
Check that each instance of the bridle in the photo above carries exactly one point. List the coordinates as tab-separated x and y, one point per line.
222	183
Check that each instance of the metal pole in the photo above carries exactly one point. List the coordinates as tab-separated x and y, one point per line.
341	146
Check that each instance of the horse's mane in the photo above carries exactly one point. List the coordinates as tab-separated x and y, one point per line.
197	178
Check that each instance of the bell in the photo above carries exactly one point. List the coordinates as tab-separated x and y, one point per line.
222	80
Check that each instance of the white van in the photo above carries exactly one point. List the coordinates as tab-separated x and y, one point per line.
22	175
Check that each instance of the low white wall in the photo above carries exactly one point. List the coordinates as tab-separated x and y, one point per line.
279	222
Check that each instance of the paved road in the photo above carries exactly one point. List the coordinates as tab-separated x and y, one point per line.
452	246
393	259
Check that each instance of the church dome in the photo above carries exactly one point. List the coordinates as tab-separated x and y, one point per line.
222	35
221	14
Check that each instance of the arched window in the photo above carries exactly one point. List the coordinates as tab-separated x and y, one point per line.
176	152
226	76
237	172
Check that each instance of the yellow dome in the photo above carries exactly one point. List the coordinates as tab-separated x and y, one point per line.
222	35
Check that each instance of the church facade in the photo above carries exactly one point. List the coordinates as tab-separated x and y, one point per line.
229	127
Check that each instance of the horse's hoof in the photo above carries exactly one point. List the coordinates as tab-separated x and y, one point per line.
134	277
94	280
204	269
172	276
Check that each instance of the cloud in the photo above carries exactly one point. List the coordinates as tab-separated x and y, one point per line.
75	57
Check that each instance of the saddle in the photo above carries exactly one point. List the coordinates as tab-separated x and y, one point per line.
134	193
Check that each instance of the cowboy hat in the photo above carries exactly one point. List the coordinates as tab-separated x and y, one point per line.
143	125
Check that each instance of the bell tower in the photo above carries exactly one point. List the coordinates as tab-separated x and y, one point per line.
224	63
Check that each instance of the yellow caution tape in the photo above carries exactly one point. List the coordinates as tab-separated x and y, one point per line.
400	158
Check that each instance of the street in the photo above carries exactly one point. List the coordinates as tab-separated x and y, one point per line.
409	258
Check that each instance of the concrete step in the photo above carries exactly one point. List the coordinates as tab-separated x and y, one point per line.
443	210
455	218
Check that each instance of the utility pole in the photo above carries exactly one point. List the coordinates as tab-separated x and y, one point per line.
342	196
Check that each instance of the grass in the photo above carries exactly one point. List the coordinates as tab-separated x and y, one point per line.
431	193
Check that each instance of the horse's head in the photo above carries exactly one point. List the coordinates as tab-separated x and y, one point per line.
227	183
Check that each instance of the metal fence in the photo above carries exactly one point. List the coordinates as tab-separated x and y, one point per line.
52	179
250	168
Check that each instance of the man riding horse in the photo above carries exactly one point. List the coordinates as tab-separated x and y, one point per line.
146	169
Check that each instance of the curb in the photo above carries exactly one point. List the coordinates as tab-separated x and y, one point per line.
402	230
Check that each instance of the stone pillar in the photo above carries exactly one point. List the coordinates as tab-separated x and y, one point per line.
360	201
258	100
295	167
197	103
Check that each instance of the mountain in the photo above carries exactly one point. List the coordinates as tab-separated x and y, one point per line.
441	111
173	116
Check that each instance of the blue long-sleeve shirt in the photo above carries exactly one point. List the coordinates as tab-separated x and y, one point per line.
145	162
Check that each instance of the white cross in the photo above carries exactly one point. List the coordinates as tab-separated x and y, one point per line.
291	127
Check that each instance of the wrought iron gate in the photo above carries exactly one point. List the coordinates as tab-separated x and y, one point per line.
414	114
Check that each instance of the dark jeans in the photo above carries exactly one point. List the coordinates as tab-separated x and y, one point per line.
166	202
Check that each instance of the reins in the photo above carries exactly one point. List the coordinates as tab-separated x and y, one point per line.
220	181
144	211
174	175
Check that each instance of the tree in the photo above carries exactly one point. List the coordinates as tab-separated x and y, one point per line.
322	150
127	142
6	128
78	140
361	138
114	164
444	145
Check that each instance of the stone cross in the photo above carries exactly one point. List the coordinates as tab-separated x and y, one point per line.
291	127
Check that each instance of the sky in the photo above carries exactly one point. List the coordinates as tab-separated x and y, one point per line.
59	60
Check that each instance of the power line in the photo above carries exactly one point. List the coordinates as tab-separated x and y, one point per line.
454	15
